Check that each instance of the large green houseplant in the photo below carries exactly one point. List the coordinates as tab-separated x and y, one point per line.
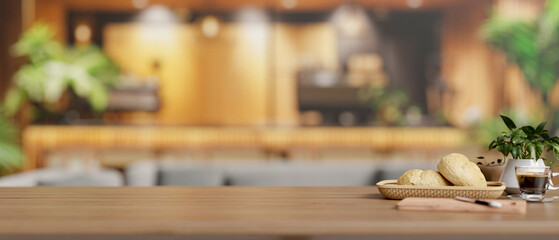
53	70
533	46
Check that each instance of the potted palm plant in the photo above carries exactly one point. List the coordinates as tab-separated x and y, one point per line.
54	71
525	145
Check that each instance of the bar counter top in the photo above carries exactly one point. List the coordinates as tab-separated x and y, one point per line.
238	212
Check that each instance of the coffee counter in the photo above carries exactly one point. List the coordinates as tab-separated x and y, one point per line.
38	140
247	213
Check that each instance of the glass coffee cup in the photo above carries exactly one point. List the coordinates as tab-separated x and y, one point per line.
534	181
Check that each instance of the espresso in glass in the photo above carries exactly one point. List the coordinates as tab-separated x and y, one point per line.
532	183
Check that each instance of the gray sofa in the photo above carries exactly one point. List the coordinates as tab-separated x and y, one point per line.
255	173
61	177
277	173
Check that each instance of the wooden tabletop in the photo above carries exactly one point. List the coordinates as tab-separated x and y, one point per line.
282	211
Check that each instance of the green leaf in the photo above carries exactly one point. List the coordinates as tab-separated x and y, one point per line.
14	100
493	144
517	140
539	149
507	148
540	127
556	153
530	150
528	130
500	140
510	124
516	151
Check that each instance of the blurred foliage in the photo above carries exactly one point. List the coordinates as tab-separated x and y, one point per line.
10	152
388	104
54	69
532	45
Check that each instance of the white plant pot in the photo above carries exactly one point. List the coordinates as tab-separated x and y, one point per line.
509	177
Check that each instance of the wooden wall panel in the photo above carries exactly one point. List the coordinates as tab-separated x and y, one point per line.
10	30
137	49
476	74
53	12
466	65
240	77
204	81
234	73
517	94
293	45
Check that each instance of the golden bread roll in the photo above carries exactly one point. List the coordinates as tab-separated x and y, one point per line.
458	169
423	178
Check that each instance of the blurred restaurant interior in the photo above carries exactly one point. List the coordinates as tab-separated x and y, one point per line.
255	92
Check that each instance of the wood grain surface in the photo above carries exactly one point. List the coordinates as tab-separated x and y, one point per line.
453	205
245	211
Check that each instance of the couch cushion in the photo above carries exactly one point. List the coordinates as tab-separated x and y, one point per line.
97	178
189	174
301	174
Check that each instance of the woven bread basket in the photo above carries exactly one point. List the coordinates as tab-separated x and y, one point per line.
390	189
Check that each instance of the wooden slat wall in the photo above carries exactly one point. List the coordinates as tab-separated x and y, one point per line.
54	13
227	5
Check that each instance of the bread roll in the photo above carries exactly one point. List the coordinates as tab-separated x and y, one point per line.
422	178
457	169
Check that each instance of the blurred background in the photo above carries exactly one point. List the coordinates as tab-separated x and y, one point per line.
265	92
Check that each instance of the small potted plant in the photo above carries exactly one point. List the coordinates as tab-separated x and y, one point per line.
526	146
492	170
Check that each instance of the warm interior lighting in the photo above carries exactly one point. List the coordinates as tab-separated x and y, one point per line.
289	4
158	24
351	19
251	15
254	24
140	4
157	15
352	25
82	33
414	3
210	26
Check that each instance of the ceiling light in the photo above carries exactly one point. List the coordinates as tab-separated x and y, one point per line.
157	15
82	33
210	26
289	4
140	4
414	3
351	19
